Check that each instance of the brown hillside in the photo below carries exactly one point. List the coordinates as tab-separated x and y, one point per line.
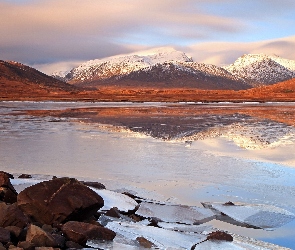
19	81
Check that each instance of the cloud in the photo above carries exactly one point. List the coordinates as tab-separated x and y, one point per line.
46	32
35	30
222	53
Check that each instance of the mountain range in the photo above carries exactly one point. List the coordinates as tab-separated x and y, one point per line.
161	75
166	67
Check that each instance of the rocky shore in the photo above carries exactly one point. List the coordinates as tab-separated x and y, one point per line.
64	213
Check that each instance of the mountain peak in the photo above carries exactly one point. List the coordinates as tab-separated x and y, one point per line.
262	69
124	64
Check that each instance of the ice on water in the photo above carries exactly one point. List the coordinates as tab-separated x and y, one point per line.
160	237
256	215
175	213
114	199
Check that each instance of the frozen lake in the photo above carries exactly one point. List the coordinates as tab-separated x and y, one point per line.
240	160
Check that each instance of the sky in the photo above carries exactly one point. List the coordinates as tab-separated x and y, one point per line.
53	35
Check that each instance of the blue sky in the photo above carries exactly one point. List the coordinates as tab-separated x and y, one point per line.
53	34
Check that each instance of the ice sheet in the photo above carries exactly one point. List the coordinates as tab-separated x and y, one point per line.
257	215
175	213
114	199
160	237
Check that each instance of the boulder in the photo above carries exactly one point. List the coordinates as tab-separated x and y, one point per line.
73	245
25	176
11	215
113	212
7	192
80	232
144	242
39	238
94	184
59	200
26	245
219	235
14	232
4	235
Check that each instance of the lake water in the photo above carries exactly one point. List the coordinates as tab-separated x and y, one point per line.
229	167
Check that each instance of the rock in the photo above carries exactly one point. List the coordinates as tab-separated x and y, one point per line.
229	203
59	200
2	247
59	239
7	192
144	242
113	212
96	185
73	245
4	235
14	247
25	176
39	237
46	248
26	245
5	178
47	228
14	232
11	215
134	217
219	235
80	232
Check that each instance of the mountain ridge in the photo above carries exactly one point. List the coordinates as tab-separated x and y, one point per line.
150	69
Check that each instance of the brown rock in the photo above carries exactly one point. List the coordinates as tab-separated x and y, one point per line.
25	176
219	235
135	217
26	245
46	248
2	247
14	231
80	232
39	237
113	212
59	200
11	215
7	192
229	203
94	184
73	245
5	178
144	242
59	239
47	228
4	235
15	248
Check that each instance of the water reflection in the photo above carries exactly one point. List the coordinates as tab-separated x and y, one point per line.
213	168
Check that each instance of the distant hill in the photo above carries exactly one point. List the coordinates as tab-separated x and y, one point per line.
19	80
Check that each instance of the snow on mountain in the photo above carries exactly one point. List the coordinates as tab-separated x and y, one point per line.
164	65
260	69
184	74
122	65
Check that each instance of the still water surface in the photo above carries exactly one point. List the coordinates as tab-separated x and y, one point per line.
214	169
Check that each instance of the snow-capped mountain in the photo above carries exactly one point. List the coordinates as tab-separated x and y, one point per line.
171	68
118	66
260	69
184	74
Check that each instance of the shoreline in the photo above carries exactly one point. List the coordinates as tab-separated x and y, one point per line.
216	224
